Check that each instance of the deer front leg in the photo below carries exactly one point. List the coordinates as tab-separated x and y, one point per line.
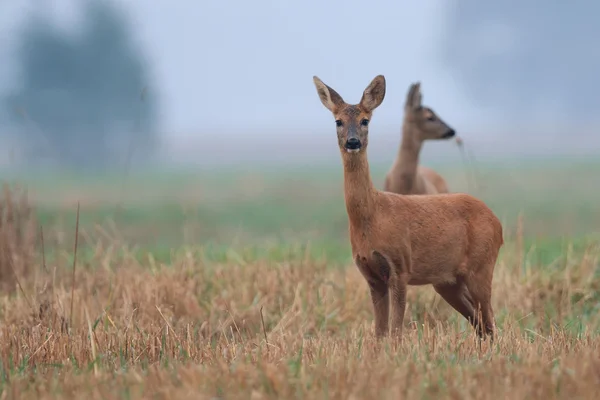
379	294
396	276
398	299
380	298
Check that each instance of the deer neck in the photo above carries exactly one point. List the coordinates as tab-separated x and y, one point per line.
407	161
359	191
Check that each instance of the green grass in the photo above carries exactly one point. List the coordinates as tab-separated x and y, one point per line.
261	210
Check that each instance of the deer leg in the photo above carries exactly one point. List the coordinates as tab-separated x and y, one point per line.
458	296
379	296
398	303
489	320
396	278
379	292
480	288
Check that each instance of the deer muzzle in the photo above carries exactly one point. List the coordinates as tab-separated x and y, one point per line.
353	144
450	133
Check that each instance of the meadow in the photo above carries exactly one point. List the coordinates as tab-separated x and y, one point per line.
238	283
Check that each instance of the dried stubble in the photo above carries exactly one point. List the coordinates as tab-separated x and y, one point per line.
192	330
18	232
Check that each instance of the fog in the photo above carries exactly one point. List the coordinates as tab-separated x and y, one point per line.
234	78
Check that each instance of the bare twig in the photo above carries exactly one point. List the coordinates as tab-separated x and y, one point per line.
168	325
235	324
92	344
41	347
43	250
74	265
262	320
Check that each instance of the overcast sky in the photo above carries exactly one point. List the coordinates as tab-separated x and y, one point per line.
246	66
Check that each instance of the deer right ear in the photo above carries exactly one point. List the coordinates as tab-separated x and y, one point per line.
414	97
374	93
329	97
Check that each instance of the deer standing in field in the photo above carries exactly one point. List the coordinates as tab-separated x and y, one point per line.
420	123
450	241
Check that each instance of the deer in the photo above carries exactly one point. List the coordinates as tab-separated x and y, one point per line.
420	123
450	241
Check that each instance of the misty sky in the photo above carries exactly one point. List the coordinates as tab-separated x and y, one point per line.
247	66
240	63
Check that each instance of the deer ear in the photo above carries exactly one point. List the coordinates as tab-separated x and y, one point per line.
329	97
374	94
414	97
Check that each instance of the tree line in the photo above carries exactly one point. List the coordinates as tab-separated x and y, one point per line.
82	98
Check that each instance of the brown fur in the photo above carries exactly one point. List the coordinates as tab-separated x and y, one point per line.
421	123
450	241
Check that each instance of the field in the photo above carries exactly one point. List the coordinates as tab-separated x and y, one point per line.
239	283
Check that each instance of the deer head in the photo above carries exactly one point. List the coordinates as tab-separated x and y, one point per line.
352	120
428	125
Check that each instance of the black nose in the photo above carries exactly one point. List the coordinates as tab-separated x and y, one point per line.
449	134
353	144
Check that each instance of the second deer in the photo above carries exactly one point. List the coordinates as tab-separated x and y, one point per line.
420	123
450	241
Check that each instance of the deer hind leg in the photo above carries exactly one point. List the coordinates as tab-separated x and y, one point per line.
458	296
479	286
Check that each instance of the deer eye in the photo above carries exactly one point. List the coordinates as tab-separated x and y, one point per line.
364	122
338	122
431	118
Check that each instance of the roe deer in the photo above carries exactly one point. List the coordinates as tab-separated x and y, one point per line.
450	241
420	123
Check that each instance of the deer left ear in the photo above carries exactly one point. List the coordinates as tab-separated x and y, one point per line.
374	94
329	97
414	97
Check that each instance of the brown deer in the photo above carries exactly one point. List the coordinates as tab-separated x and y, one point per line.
450	241
406	176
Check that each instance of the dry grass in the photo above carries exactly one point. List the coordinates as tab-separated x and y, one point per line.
194	330
17	237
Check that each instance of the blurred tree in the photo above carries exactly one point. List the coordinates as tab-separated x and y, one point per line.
514	55
79	95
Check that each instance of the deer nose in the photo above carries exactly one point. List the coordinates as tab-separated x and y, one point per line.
449	134
353	143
